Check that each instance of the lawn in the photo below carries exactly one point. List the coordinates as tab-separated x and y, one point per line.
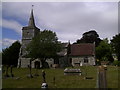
61	80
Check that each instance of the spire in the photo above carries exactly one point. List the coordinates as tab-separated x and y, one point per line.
31	20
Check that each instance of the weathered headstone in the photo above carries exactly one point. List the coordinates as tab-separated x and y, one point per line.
72	71
44	85
102	80
43	75
54	80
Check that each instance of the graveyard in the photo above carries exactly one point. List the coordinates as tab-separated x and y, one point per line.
55	78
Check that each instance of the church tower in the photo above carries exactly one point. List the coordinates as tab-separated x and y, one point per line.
28	32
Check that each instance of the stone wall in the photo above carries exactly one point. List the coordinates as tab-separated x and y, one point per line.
50	62
63	61
25	62
79	61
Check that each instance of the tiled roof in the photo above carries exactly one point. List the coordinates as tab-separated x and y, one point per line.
82	49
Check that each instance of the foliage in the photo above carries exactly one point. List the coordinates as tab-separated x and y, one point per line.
10	55
103	51
90	37
44	45
116	63
115	43
0	58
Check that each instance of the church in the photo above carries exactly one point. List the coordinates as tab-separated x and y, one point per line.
70	55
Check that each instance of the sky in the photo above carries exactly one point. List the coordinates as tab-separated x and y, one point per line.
68	19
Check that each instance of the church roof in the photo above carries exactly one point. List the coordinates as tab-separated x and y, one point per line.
82	49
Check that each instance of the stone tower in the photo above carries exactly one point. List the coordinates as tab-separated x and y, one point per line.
28	32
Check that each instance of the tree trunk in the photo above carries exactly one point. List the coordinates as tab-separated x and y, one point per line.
7	67
43	61
30	74
119	57
11	67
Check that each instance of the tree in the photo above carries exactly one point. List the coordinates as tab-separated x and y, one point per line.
90	37
115	42
103	51
44	45
10	55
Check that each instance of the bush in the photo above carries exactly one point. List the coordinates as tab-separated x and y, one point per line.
116	63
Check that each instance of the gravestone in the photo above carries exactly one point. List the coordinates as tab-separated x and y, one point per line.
44	85
102	79
72	71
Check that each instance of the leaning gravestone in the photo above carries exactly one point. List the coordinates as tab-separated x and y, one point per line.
72	71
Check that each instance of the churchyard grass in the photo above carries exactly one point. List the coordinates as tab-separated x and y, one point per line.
61	80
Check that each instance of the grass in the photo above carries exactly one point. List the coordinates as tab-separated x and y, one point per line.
112	77
62	81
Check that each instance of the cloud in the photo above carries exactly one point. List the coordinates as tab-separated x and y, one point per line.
6	42
69	20
13	25
0	45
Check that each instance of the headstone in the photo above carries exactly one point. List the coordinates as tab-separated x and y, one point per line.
29	76
102	79
72	71
43	75
54	81
44	85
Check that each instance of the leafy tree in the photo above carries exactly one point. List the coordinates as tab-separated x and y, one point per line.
103	51
5	56
116	63
10	55
44	45
0	59
90	37
115	42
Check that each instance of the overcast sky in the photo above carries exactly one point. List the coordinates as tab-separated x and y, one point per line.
68	19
